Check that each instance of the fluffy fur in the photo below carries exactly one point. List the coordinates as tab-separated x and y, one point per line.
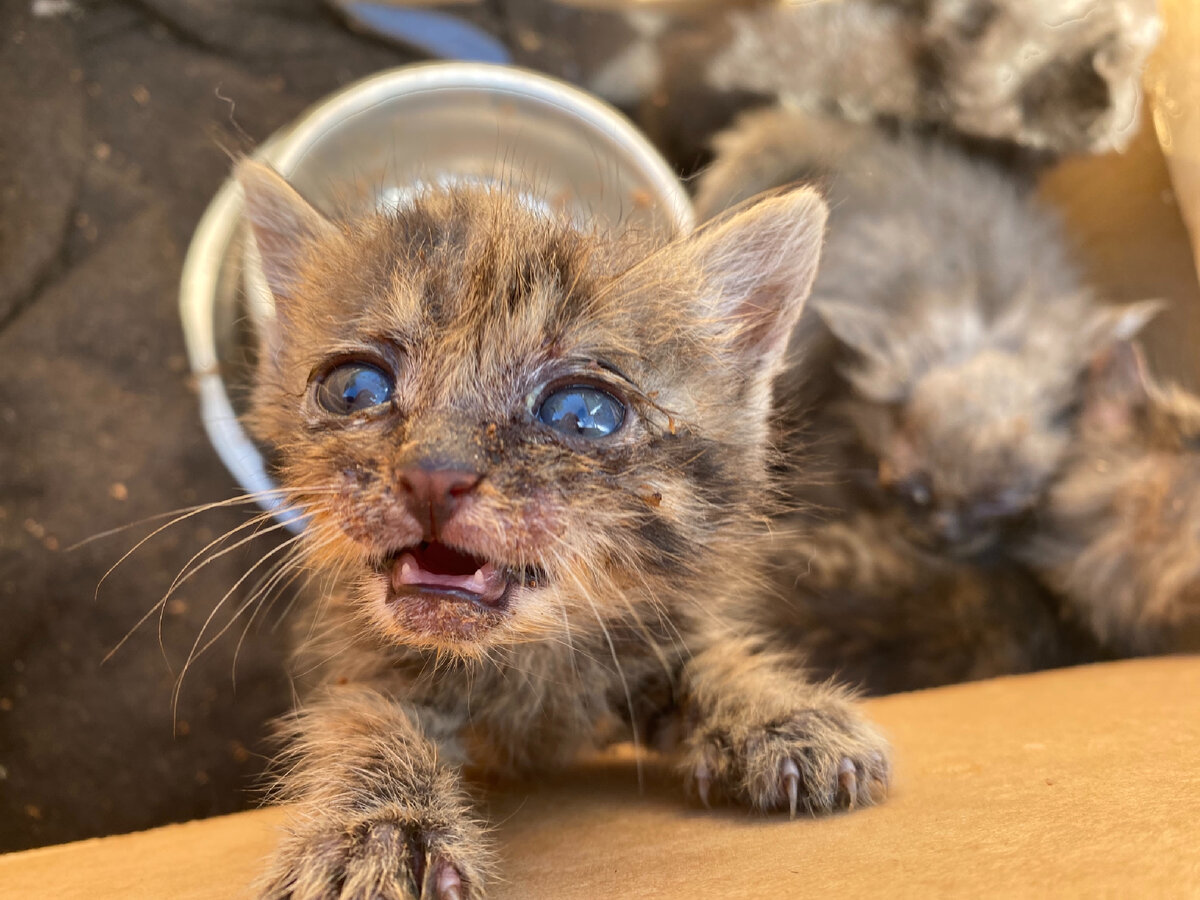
631	560
867	606
1049	76
1119	539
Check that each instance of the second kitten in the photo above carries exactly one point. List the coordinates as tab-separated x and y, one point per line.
948	307
938	374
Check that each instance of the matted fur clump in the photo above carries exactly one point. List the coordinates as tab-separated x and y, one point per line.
1049	76
1058	76
535	464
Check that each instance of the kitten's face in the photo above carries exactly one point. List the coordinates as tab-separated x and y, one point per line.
969	420
504	430
968	453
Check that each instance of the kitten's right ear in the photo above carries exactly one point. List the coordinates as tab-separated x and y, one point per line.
283	222
762	259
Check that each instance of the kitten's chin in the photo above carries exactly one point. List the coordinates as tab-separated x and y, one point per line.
444	619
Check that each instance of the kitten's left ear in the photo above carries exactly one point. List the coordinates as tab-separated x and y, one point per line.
760	262
1118	387
285	226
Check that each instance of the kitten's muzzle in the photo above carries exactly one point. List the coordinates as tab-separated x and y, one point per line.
442	586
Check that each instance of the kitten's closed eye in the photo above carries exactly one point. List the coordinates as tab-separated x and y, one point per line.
1066	416
1000	505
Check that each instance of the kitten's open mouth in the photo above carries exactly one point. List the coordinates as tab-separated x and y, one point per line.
438	570
447	596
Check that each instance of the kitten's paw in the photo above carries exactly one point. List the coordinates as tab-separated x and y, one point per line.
386	856
817	760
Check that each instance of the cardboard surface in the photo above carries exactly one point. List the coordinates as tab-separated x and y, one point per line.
1073	783
1173	89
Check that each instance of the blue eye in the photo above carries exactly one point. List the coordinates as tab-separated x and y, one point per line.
582	411
353	387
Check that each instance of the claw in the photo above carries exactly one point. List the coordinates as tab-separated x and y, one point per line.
848	781
449	885
881	769
791	781
703	781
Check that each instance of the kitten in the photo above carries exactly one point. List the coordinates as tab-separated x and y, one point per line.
936	379
947	306
1052	76
1119	539
535	464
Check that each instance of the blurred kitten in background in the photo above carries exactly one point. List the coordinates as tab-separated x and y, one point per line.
936	381
863	605
1042	77
941	357
1119	538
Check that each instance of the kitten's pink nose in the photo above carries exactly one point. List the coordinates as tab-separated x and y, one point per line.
433	495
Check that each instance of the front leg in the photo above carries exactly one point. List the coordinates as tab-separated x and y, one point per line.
760	734
377	816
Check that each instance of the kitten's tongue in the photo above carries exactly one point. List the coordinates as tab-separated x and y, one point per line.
437	566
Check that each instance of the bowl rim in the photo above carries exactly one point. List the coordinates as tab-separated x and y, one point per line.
218	226
363	95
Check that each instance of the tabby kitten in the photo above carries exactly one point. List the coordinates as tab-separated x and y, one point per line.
1119	539
535	465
